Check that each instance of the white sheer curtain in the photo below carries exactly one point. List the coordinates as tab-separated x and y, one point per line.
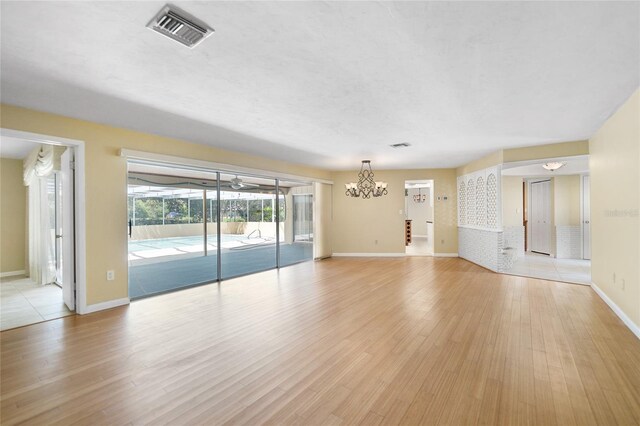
37	167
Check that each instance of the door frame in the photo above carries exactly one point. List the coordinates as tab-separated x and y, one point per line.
79	210
58	252
431	239
582	224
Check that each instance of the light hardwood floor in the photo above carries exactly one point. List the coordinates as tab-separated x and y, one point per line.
370	341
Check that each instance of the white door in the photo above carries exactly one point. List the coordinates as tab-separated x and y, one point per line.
57	217
586	218
541	217
67	234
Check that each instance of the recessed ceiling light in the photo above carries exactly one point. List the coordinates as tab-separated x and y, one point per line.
553	166
400	145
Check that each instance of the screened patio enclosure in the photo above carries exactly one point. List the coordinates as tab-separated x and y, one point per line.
185	231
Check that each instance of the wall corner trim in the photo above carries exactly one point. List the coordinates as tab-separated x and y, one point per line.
369	255
105	305
616	309
12	273
445	255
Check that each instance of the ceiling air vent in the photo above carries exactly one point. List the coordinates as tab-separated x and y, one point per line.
400	145
180	26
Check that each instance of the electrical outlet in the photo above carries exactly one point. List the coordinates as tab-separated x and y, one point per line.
111	275
623	283
376	242
441	241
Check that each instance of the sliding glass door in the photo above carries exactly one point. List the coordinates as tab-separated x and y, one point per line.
248	225
168	248
296	242
205	226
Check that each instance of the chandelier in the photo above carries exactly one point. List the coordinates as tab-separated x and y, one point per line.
419	197
366	186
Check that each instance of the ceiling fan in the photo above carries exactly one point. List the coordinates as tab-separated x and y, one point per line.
237	183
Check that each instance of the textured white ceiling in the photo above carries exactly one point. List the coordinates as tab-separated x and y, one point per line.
332	83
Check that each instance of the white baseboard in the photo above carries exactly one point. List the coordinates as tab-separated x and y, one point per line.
12	273
391	255
446	255
106	305
368	254
616	309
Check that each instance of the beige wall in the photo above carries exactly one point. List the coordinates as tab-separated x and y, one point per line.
13	216
566	200
554	150
106	183
376	225
322	219
615	199
490	160
511	201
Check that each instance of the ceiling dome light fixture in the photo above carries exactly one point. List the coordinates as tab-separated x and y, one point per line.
366	186
553	166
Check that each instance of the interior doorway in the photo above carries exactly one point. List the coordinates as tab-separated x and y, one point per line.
41	200
419	217
545	215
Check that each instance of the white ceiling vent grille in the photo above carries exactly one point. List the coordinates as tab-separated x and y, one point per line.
180	26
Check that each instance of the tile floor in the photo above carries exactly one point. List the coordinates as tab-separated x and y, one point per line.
418	247
540	266
23	302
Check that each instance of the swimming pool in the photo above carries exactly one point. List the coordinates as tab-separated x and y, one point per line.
177	242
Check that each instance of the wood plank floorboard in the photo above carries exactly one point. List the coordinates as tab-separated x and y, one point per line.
384	341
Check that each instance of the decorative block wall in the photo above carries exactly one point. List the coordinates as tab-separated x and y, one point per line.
462	203
479	204
568	242
512	247
479	246
471	202
513	236
480	237
493	207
